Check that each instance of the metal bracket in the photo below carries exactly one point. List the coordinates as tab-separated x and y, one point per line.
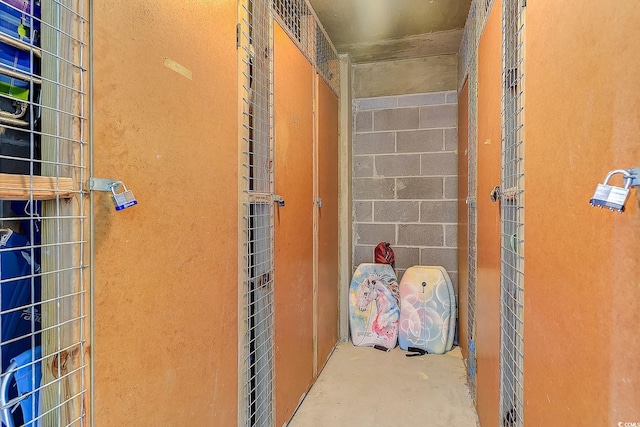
635	176
279	200
102	184
471	201
496	193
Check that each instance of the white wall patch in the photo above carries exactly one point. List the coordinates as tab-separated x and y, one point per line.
178	68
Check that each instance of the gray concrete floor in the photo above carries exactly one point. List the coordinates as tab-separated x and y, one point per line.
361	386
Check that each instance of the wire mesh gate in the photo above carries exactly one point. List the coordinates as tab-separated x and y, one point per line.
300	21
512	216
472	218
469	69
512	201
44	231
255	42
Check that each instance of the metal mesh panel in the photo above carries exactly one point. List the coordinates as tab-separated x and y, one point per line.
512	216
43	252
256	43
469	56
472	217
327	62
483	9
465	52
295	15
300	21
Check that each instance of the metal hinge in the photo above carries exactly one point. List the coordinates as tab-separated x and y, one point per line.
102	184
279	200
635	177
471	201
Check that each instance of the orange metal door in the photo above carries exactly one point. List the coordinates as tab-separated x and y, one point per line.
165	270
488	263
293	168
582	275
327	220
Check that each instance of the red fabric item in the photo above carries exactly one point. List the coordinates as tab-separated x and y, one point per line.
383	254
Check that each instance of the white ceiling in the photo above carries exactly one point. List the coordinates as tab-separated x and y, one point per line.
380	30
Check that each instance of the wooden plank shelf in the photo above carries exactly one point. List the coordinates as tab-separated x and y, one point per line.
24	187
260	198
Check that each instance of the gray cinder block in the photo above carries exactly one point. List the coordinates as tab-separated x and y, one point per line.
438	164
396	211
451	139
372	234
373	188
451	235
374	143
433	98
420	235
439	211
396	119
446	257
438	116
406	257
419	188
363	211
420	141
397	165
362	166
364	121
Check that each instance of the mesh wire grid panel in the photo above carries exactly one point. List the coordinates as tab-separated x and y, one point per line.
300	21
255	41
327	62
512	216
472	218
483	9
464	51
295	15
43	236
468	69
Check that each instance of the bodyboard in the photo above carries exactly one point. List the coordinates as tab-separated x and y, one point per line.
373	309
428	310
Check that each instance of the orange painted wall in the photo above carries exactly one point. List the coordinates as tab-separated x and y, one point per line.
327	155
166	276
463	218
582	268
293	92
488	262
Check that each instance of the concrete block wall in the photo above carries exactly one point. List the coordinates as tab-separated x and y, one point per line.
405	179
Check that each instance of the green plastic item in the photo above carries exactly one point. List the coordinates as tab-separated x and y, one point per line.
14	92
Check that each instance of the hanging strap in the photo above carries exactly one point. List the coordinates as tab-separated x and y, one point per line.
415	351
5	235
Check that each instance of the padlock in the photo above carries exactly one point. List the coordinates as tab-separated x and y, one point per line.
495	194
124	199
611	196
279	200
